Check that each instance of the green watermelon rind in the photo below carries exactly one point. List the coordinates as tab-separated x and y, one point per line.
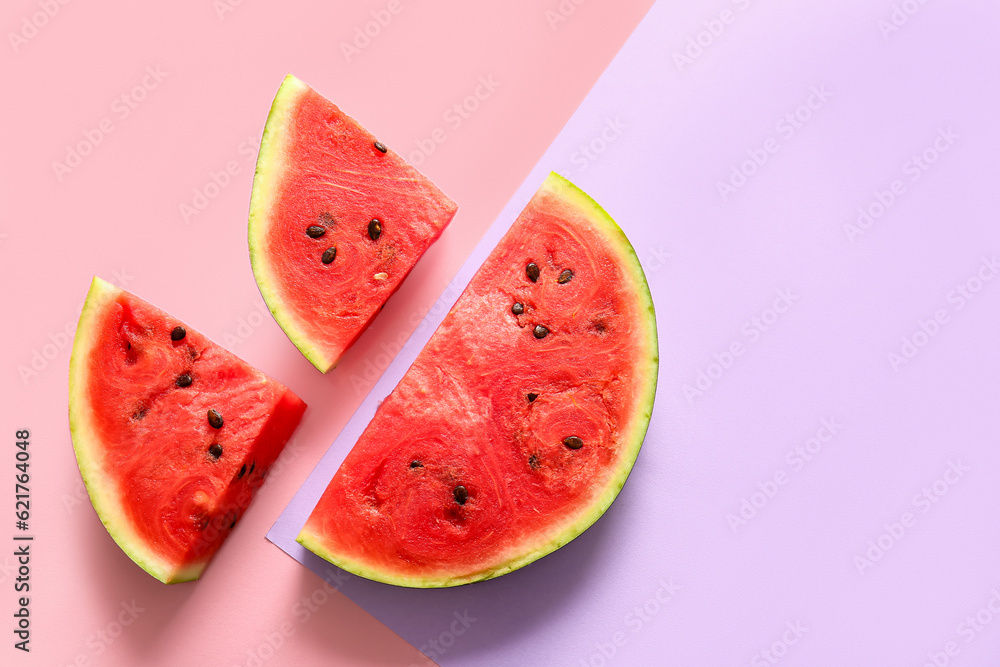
267	179
87	446
568	192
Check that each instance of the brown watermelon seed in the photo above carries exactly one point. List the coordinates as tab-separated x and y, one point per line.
374	229
517	308
461	495
532	271
215	450
184	380
532	397
329	255
315	231
214	418
243	471
540	331
573	442
416	464
253	464
565	277
178	334
380	147
533	461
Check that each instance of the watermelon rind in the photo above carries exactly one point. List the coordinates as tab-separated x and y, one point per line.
647	367
266	181
87	446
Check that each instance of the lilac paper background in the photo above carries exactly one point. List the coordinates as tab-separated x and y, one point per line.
747	525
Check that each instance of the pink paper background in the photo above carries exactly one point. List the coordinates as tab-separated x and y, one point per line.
118	215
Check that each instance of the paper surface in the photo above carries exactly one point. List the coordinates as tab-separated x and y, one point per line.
812	193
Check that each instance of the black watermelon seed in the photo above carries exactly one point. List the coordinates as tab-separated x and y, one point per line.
461	495
533	461
540	331
233	522
215	450
565	277
214	418
178	334
243	471
573	442
253	464
374	229
380	147
532	271
139	413
532	397
517	308
315	231
184	380
416	464
329	255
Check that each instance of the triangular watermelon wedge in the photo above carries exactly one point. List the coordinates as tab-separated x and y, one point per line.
337	221
518	423
172	433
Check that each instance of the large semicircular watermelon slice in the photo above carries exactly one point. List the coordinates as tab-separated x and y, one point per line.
172	433
337	220
518	423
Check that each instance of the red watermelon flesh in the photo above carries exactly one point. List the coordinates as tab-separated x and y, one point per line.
517	424
319	170
168	479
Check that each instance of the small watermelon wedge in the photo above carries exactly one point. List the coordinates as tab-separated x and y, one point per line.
337	221
172	433
520	420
